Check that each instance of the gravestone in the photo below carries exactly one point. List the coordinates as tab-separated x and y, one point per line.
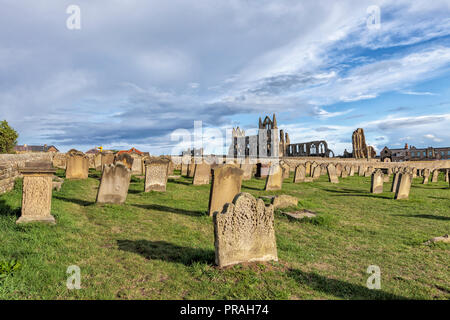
426	175
244	232
37	192
248	171
184	168
338	169
98	161
369	171
138	166
77	165
125	158
274	180
447	178
395	182
225	185
332	175
107	158
156	173
361	171
114	184
435	176
308	172
344	173
404	186
300	173
202	173
316	173
377	182
352	171
286	170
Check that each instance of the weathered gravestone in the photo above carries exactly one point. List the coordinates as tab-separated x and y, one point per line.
308	172
77	165
377	182
426	175
352	171
344	173
125	158
300	173
98	161
332	176
338	169
156	173
244	232
202	173
404	186
435	176
286	170
37	192
316	173
361	171
395	182
107	158
114	184
226	184
248	171
274	180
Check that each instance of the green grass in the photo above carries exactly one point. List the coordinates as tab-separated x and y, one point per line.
161	245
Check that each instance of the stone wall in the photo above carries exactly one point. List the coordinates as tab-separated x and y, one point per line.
9	164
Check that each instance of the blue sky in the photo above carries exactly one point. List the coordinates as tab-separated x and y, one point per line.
137	71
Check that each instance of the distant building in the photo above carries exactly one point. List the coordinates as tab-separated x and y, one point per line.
193	153
415	154
134	151
26	148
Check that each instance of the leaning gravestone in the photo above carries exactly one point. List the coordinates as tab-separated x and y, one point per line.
114	184
377	182
274	180
395	182
300	173
225	185
77	165
332	176
156	173
352	171
37	192
404	186
244	232
202	172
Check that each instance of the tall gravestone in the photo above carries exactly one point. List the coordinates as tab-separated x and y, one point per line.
244	232
332	176
308	172
274	180
377	182
77	165
426	175
37	192
225	185
316	172
352	171
114	184
156	174
404	186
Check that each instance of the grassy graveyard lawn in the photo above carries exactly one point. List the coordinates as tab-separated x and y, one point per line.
161	245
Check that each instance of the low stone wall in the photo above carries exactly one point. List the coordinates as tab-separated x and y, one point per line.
375	163
10	163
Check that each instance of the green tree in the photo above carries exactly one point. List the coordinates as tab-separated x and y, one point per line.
8	137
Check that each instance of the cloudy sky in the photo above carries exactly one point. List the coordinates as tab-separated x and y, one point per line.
138	71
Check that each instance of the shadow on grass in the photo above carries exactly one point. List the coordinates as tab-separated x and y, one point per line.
135	191
169	209
340	288
165	251
355	193
7	210
80	202
186	183
427	186
253	188
424	216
